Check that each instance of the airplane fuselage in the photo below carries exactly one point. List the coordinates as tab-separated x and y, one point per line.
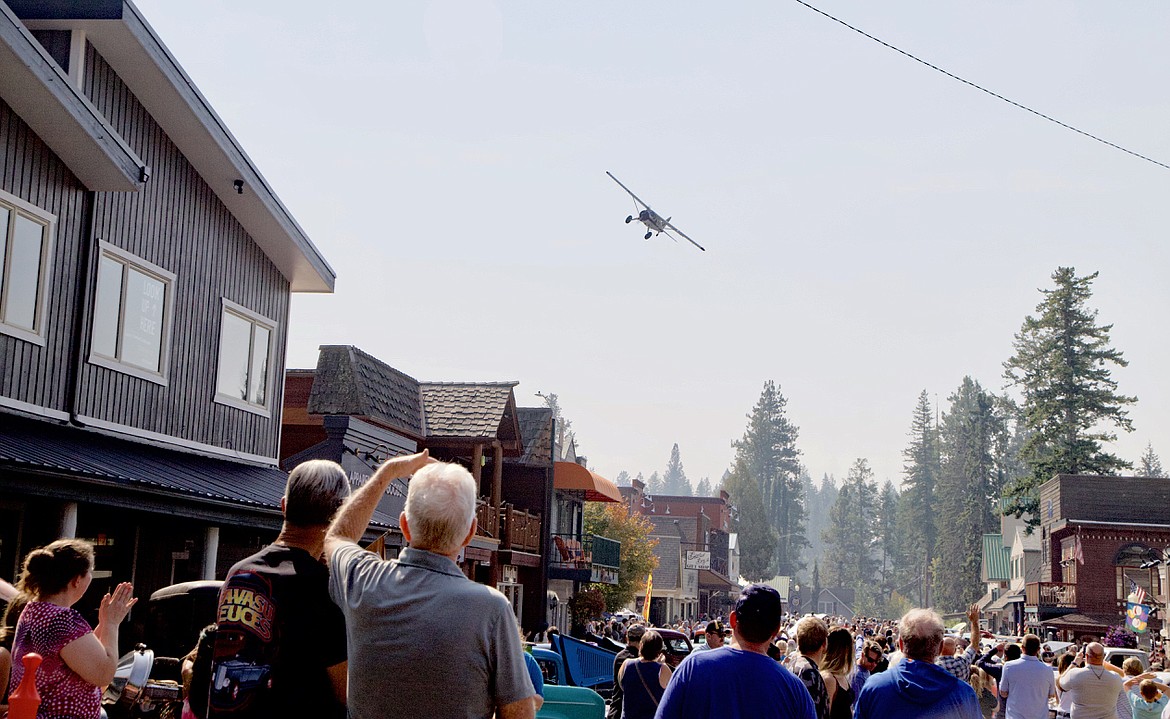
652	220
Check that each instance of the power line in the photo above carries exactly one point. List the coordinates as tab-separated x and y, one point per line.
983	89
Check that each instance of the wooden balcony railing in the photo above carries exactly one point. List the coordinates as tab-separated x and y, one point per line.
521	529
487	519
1056	595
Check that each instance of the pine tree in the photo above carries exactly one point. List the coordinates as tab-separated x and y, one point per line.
1062	366
916	512
622	479
890	537
674	481
819	501
768	451
1150	465
967	493
757	539
654	484
704	488
852	532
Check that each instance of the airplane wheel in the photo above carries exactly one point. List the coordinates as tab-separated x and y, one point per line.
647	236
629	218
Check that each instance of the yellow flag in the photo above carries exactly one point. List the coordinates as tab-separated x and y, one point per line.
646	604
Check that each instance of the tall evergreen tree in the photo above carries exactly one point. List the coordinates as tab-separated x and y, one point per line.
966	494
654	484
703	489
674	480
916	513
890	538
819	499
757	539
622	479
1062	367
1150	465
768	451
852	532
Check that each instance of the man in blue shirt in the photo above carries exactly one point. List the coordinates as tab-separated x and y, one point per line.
917	688
1028	683
740	680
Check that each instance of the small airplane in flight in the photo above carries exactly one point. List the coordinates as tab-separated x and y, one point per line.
653	221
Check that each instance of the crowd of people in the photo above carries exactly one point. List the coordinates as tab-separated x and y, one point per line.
314	626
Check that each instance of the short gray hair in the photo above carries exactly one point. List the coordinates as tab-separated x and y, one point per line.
315	490
921	632
440	504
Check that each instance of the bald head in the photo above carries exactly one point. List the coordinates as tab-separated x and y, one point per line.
920	634
949	646
1095	653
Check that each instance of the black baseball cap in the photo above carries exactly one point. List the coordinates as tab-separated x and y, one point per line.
761	603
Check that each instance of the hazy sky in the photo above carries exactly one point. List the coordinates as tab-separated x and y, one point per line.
873	228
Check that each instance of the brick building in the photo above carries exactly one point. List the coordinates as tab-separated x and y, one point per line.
1099	538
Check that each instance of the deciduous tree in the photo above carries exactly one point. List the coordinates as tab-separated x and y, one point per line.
614	521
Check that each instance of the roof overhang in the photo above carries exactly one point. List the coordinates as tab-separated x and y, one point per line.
131	47
36	88
572	476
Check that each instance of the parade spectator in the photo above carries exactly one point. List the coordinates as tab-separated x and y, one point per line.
1151	701
643	680
917	688
740	680
7	633
714	636
986	691
812	637
1027	683
1063	698
1093	689
424	640
77	661
633	642
275	616
960	664
871	656
195	672
836	667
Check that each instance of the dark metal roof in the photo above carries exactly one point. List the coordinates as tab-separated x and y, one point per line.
46	448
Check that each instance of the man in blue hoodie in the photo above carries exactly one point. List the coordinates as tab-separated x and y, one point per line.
917	688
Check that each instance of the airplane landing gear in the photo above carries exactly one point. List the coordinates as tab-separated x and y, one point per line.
629	219
647	236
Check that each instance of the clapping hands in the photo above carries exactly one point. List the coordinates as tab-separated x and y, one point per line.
116	606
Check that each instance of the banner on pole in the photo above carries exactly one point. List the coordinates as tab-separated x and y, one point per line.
1137	616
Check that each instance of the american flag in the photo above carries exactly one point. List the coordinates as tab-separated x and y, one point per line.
1138	594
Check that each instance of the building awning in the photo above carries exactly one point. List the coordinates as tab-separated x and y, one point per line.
709	579
88	466
570	475
1010	598
1083	621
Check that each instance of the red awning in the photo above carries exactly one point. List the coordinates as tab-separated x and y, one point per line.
570	475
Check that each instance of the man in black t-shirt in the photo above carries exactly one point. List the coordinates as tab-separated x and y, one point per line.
280	648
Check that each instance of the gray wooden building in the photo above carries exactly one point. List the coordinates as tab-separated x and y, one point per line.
145	283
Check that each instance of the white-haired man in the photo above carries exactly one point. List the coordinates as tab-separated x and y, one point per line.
280	647
424	640
917	688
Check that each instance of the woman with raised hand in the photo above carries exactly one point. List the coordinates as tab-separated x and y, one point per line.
78	661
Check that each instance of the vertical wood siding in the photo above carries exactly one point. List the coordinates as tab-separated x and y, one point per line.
176	221
29	170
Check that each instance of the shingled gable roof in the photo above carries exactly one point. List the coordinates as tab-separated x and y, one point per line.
470	410
536	433
349	381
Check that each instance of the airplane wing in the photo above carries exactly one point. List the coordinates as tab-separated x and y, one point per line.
684	236
636	198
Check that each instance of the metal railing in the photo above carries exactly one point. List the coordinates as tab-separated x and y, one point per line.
571	551
607	552
1050	594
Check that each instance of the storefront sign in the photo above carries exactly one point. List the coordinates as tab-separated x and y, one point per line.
698	560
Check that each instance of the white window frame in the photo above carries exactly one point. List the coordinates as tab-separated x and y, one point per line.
17	206
128	260
255	318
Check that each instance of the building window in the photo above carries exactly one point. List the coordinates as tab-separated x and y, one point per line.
245	347
132	315
26	250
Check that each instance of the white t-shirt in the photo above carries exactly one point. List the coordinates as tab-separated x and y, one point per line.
1028	682
1094	691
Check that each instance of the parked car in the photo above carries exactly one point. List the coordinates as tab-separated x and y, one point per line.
1117	656
676	646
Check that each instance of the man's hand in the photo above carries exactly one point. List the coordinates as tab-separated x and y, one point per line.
354	516
973	616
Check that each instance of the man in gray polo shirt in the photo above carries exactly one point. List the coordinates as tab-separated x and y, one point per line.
424	641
